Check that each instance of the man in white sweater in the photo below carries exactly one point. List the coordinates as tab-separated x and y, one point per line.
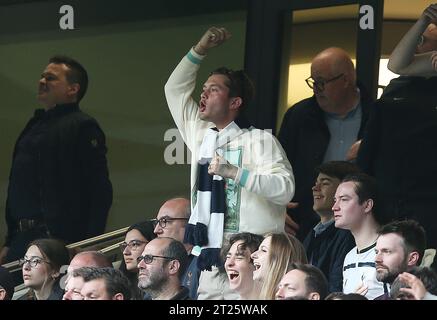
241	179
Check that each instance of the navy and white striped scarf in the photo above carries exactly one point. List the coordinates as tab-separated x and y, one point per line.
206	224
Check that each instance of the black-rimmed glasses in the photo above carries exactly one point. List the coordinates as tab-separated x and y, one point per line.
32	262
164	220
148	258
320	84
133	245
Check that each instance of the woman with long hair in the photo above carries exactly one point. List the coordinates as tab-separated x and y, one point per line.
41	269
272	260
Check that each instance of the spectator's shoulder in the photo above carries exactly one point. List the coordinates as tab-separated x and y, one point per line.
302	107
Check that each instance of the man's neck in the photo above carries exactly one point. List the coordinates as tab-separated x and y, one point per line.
325	217
52	106
366	234
168	291
350	102
221	126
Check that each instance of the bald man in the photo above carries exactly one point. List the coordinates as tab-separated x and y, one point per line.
322	128
72	285
170	222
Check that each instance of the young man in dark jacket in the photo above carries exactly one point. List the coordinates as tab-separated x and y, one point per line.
325	245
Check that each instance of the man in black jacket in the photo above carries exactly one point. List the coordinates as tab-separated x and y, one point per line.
59	183
400	151
322	128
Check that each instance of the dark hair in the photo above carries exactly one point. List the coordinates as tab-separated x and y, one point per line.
345	296
250	241
6	283
54	251
145	228
412	233
114	279
338	169
425	274
239	84
177	251
315	280
365	188
76	73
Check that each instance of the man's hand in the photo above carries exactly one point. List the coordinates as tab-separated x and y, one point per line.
291	227
417	290
213	37
219	166
3	254
430	13
353	151
362	289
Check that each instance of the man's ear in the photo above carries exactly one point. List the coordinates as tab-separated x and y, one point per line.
314	296
74	89
236	103
174	266
118	296
413	258
2	294
368	205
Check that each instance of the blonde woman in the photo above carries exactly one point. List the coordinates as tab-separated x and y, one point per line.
272	259
41	269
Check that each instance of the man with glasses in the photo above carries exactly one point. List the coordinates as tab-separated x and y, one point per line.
322	128
170	222
161	267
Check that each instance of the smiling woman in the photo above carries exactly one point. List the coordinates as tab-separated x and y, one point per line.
272	259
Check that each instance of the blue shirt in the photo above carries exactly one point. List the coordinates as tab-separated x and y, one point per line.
344	133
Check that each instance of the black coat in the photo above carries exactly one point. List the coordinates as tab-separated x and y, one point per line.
327	252
400	151
75	191
305	136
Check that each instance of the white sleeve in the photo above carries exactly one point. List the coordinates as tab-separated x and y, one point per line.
178	92
273	176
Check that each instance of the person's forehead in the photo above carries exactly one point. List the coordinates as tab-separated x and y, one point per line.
236	244
134	234
323	176
95	285
75	283
294	276
321	69
155	246
170	210
266	242
56	68
346	188
389	240
33	251
216	79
